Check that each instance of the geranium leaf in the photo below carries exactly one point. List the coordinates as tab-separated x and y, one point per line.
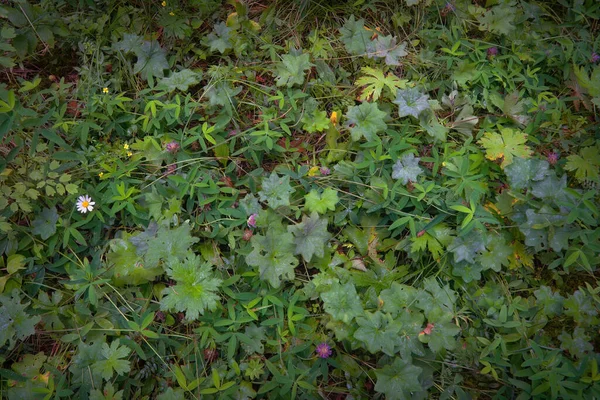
378	331
310	236
585	164
507	144
521	172
374	82
321	202
411	102
273	255
366	120
386	47
195	288
45	223
181	80
342	302
276	191
113	360
219	39
315	121
290	71
407	169
15	322
399	380
354	36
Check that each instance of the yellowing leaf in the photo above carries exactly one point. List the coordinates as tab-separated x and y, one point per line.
507	144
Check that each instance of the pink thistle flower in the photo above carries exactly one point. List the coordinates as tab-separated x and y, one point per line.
172	147
323	350
492	51
252	220
324	171
553	158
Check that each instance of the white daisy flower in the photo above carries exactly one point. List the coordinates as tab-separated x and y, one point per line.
85	204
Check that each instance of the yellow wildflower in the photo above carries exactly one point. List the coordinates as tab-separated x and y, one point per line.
101	174
313	171
126	146
334	117
164	3
129	154
105	90
171	13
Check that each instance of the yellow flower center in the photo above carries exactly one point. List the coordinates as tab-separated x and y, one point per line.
85	204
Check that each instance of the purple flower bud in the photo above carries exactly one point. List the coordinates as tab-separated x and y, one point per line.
172	147
553	158
323	350
171	168
252	220
492	51
324	171
595	58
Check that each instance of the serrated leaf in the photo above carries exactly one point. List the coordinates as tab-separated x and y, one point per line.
498	19
397	297
507	144
378	331
467	247
578	344
342	302
375	82
320	203
585	164
113	360
522	172
15	322
273	255
399	380
276	191
219	39
386	47
407	169
310	236
551	303
434	240
411	102
291	69
151	58
44	224
315	121
497	254
195	288
181	80
354	36
365	120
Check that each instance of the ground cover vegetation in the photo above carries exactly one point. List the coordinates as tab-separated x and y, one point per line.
299	199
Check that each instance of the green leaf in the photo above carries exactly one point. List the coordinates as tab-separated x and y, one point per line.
273	255
386	47
276	191
592	83
507	144
578	344
166	244
521	172
467	247
551	303
411	102
442	336
290	71
375	82
44	223
378	331
315	121
181	80
113	360
15	323
15	263
434	240
354	36
342	302
365	120
195	288
407	169
397	298
585	164
323	202
310	236
151	58
498	19
219	39
551	188
399	380
497	254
